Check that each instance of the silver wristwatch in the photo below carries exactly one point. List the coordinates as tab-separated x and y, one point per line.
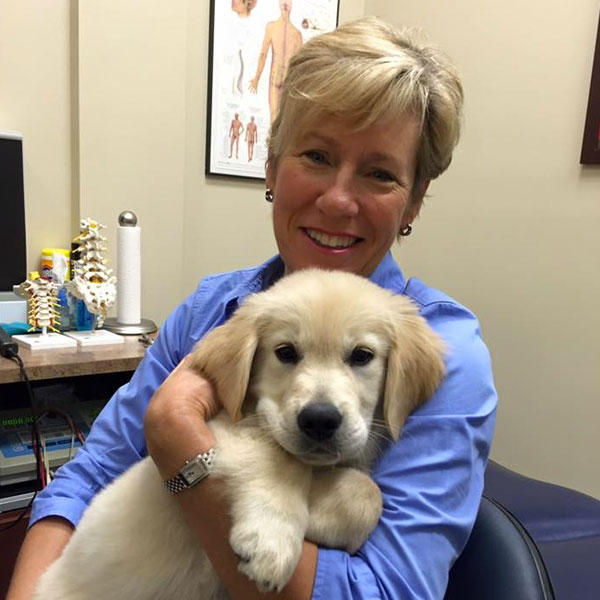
193	472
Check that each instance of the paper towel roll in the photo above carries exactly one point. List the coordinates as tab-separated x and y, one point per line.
128	275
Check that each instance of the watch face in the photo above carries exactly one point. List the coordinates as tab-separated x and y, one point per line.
194	471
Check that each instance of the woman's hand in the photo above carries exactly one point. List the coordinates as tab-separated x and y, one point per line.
175	423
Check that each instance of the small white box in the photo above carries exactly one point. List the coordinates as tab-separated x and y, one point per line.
99	337
38	341
12	308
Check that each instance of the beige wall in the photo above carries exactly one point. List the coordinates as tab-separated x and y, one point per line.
111	98
132	138
512	229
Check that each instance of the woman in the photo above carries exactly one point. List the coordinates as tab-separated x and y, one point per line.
367	119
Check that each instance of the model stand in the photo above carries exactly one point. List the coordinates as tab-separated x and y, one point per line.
42	296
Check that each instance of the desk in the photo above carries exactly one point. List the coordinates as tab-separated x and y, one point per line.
98	362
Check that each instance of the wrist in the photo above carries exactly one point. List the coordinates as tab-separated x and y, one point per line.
175	421
193	472
172	441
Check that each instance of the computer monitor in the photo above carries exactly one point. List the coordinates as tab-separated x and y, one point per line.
12	211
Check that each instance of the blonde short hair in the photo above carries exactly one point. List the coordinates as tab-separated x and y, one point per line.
366	72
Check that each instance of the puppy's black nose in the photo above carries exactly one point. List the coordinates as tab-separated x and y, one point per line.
319	420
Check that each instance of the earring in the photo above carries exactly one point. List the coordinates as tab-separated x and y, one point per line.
268	195
406	230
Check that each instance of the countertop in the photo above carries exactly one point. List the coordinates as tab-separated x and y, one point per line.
51	364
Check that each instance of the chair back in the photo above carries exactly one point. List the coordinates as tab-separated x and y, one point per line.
499	562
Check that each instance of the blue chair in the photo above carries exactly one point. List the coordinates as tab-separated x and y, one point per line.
531	541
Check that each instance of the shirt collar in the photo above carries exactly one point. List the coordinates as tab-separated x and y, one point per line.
266	275
388	274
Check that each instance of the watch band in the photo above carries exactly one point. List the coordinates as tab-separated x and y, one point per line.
192	472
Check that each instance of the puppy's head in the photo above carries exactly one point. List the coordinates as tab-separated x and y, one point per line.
317	353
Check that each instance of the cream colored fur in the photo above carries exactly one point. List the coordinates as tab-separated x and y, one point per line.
282	486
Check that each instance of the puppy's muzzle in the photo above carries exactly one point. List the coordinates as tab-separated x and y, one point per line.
319	420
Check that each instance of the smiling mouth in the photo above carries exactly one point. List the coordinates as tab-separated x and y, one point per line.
335	242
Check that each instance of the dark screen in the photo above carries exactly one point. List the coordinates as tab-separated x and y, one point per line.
12	214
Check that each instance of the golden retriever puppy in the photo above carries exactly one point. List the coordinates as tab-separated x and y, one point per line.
313	374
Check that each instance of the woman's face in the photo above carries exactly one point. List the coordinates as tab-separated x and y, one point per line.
341	197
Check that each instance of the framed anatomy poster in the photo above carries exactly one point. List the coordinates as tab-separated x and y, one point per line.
250	45
590	148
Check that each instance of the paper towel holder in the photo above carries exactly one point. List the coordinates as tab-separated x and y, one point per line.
128	219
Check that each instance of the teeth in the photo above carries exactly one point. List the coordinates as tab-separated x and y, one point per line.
331	241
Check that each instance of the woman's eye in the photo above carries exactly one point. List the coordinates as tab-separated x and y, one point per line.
360	357
315	156
286	353
382	176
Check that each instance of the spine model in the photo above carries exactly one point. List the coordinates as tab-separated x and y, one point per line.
42	295
93	282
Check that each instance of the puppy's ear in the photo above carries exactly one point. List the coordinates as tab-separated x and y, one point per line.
415	366
224	356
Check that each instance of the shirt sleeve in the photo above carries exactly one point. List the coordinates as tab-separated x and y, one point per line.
431	480
116	439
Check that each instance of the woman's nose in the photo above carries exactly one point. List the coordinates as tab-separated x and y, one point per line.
339	197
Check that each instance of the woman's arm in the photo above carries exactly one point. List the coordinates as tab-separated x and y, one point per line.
212	526
43	544
176	430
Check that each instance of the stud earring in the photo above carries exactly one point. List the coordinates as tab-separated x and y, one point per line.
268	195
406	230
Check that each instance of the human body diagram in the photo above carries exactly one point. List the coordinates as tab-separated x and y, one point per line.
235	131
283	39
251	137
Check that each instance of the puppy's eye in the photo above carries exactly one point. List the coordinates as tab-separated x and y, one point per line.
286	353
360	357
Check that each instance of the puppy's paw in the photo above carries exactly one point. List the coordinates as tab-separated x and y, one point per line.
269	552
345	506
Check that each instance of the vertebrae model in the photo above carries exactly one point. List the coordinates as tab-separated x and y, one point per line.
43	301
92	281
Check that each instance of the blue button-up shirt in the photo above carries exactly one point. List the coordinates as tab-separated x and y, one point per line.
431	479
